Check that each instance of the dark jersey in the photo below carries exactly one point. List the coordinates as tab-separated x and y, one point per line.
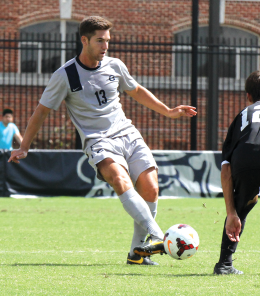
242	145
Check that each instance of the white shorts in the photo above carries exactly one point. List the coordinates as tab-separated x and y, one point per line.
130	151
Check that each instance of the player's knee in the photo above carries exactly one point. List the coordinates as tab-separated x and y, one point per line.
151	194
120	181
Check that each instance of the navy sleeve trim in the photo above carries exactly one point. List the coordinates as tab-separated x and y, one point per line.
73	77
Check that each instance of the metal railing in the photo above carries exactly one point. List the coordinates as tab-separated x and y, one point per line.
163	65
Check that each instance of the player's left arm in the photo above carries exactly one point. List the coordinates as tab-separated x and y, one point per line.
18	137
146	98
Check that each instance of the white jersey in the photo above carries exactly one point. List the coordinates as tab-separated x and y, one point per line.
92	97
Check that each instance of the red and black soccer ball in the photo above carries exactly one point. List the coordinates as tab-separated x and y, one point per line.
181	241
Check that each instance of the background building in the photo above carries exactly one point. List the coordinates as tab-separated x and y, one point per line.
153	38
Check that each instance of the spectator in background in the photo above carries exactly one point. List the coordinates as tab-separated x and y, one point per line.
8	131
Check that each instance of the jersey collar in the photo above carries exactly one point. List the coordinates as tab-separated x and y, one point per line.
85	67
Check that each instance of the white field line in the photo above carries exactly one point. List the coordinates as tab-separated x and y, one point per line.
97	251
19	196
55	252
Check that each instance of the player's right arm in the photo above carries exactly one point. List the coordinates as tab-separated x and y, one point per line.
33	127
233	223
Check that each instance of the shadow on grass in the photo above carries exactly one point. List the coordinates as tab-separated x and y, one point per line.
160	274
57	264
109	274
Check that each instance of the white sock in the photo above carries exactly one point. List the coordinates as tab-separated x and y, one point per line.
139	210
153	207
139	233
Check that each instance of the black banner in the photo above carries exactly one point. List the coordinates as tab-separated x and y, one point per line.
67	173
45	173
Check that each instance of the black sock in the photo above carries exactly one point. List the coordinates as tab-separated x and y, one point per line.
226	257
228	247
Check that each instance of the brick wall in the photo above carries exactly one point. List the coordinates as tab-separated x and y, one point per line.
141	18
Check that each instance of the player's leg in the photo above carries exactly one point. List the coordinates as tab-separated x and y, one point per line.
246	185
115	175
140	234
147	187
133	203
150	194
228	248
143	172
108	160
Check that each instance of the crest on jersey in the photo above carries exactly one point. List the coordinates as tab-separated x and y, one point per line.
112	78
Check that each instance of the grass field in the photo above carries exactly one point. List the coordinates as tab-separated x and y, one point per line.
77	246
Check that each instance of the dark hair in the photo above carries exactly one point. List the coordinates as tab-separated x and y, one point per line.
252	85
7	111
90	24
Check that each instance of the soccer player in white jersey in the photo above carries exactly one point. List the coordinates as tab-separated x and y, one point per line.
90	84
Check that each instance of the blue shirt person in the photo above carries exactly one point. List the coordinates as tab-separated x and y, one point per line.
8	131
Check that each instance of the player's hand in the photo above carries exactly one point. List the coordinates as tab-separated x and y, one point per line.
233	227
17	154
182	110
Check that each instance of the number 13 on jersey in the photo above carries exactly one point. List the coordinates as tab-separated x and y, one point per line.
101	95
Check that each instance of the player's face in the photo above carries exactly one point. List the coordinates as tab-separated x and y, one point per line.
7	118
97	46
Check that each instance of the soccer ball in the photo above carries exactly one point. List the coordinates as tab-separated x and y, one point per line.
181	241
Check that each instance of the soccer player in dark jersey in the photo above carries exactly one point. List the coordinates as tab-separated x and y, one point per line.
240	173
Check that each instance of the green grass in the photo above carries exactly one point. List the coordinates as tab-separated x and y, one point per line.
77	246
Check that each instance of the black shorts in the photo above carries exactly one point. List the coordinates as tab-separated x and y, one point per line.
246	186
